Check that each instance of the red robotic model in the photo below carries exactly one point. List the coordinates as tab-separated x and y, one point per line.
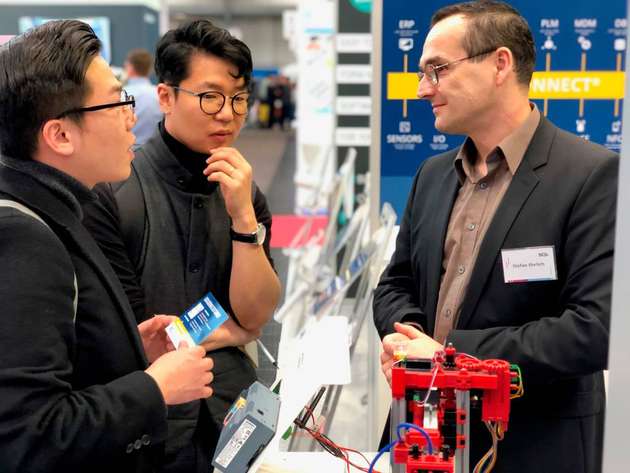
420	444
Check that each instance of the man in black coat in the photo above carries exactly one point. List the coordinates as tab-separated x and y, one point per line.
83	387
190	220
506	245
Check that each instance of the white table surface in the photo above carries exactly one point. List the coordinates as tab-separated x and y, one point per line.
317	462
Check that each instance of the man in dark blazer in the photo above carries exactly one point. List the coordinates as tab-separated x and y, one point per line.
82	387
505	248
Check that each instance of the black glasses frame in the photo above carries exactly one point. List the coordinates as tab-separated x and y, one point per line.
128	100
225	97
432	71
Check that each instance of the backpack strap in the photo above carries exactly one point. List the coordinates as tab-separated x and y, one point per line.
29	212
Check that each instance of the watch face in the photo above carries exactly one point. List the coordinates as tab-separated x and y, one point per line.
261	233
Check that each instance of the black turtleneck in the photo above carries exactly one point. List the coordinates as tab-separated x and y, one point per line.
190	160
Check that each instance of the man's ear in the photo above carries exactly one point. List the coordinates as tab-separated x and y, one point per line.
166	98
504	64
59	136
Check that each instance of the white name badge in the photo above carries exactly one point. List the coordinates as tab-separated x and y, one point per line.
536	263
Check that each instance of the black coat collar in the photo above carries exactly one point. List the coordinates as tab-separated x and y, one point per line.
67	225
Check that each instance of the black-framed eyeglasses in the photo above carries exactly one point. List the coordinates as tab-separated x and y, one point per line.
431	71
212	102
126	101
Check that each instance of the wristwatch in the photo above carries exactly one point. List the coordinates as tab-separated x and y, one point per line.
255	238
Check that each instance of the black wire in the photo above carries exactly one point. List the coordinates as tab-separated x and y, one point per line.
330	446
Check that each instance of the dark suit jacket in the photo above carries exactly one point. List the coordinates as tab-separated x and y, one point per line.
73	395
563	194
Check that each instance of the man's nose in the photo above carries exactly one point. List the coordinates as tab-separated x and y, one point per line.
226	114
426	89
132	119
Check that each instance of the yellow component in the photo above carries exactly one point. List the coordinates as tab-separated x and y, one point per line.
572	85
402	85
400	355
240	403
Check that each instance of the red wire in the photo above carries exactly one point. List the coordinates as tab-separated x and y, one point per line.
355	451
346	457
310	413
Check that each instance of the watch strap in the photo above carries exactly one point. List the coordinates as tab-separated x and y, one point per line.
243	237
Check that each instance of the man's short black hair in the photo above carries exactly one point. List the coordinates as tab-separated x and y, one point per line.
492	24
175	48
42	74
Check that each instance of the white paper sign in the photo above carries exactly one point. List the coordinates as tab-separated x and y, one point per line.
327	363
354	42
536	263
308	364
354	74
354	105
353	136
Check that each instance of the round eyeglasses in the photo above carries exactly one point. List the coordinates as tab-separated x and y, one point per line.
127	101
212	102
431	70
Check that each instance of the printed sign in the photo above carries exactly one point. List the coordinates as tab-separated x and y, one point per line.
578	84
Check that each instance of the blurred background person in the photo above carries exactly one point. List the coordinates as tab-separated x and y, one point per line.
279	100
138	67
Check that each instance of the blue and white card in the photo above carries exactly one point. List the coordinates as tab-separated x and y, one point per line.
197	322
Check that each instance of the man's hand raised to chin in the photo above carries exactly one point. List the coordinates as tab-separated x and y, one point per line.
230	169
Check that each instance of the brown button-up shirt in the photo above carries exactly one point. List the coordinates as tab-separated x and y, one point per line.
478	198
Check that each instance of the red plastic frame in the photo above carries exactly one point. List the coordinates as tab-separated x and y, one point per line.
491	377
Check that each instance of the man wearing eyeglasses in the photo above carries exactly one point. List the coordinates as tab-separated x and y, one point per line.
506	245
83	386
190	221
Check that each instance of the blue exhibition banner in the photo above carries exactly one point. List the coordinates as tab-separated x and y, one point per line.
578	84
